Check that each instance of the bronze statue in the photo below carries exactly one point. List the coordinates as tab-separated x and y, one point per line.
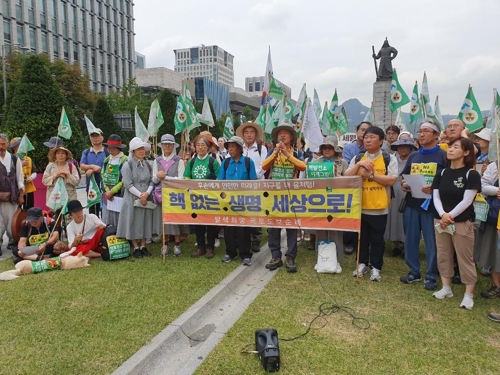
386	55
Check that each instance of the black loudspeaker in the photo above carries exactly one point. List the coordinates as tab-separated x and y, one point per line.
266	344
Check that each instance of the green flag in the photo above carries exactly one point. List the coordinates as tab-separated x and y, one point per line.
400	120
155	118
415	108
437	112
181	119
261	118
194	119
300	107
64	129
343	126
398	95
289	109
275	91
206	114
229	126
470	113
270	125
94	194
317	104
24	147
333	114
58	197
325	125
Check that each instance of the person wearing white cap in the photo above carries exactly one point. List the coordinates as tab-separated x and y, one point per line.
483	138
136	222
169	165
418	217
92	161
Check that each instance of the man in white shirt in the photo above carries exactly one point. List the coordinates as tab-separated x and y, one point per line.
11	187
251	133
84	231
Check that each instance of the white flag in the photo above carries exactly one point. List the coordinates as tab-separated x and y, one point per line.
269	72
206	114
140	128
311	128
90	126
58	197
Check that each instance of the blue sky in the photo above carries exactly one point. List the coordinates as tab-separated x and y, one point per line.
328	46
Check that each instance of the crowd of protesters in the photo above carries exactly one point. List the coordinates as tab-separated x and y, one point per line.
454	168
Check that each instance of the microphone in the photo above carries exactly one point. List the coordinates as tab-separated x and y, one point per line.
280	140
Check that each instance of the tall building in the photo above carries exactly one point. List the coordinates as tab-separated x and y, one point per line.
210	62
140	60
98	34
255	85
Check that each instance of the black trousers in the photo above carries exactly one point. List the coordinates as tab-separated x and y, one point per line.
238	238
372	246
200	231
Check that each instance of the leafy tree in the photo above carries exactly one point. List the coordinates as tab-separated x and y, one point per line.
13	67
104	119
36	108
247	112
168	103
75	87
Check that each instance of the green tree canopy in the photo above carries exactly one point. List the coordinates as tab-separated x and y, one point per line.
35	110
104	119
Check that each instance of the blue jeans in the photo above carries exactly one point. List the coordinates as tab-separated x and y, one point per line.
416	222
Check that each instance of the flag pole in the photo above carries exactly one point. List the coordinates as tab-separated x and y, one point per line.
373	114
55	226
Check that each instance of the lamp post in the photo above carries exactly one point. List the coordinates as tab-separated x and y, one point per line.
4	76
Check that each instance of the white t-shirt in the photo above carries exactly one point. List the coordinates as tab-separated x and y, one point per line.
91	222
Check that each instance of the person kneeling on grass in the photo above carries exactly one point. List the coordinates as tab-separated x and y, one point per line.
36	230
84	231
237	167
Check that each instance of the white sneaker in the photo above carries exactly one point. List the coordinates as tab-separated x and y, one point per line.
177	251
467	302
362	269
338	269
217	242
164	250
375	274
443	293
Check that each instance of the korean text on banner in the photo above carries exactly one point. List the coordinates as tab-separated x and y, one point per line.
331	204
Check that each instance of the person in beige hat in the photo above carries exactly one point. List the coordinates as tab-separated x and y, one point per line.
60	167
285	165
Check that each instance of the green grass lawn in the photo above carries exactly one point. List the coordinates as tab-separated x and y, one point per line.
410	331
89	321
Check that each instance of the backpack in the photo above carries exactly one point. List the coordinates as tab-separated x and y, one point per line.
247	165
86	152
211	161
113	248
387	160
166	164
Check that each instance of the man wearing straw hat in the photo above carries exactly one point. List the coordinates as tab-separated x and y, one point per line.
284	165
92	161
250	132
11	186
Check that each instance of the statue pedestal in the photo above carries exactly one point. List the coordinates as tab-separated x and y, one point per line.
381	103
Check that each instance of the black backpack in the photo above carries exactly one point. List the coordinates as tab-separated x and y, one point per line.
247	165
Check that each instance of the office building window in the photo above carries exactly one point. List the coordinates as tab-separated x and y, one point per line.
45	42
20	35
19	10
55	46
33	40
6	32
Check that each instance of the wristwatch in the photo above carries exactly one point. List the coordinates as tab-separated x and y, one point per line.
371	177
